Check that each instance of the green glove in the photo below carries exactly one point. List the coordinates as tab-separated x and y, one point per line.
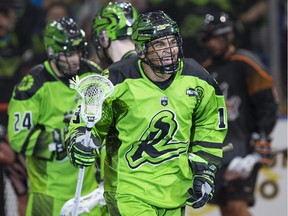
80	155
202	184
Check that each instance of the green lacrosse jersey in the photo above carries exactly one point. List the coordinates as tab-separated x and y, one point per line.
149	129
39	113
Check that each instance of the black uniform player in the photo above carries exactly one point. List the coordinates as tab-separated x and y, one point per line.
251	107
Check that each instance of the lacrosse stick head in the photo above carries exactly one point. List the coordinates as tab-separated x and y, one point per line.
87	203
93	90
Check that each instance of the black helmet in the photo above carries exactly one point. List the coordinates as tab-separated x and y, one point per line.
151	26
216	24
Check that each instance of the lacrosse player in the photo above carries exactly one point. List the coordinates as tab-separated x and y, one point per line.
111	32
111	37
163	126
39	112
252	110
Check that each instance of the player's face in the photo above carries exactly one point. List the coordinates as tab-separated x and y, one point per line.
217	45
69	63
163	51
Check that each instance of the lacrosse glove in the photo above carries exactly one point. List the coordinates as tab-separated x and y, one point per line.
81	155
202	183
262	145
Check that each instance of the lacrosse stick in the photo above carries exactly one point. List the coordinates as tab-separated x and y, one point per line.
242	168
229	147
93	89
87	203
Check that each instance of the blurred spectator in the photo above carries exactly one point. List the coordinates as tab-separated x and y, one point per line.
10	73
7	155
250	18
85	16
10	60
27	19
37	53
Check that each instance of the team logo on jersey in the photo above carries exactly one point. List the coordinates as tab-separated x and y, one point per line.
26	83
191	92
157	142
200	94
164	101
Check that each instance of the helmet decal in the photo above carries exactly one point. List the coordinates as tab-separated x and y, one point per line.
64	35
116	18
113	22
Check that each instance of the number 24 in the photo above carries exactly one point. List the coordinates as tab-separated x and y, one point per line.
22	123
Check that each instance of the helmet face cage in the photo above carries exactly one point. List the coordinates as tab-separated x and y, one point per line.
152	55
65	36
215	24
151	26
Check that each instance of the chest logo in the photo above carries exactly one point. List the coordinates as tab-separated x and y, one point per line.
164	101
157	142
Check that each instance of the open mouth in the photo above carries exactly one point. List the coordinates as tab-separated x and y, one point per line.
167	60
74	68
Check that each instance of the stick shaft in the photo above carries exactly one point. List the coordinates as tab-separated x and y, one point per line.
78	190
81	176
228	147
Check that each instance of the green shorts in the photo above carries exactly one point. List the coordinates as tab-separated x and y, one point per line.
128	205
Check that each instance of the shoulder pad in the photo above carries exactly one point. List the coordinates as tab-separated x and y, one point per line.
193	68
32	82
121	70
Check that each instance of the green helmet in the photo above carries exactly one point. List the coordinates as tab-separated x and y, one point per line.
151	26
116	18
64	35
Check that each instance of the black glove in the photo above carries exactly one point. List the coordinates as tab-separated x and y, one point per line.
202	184
80	155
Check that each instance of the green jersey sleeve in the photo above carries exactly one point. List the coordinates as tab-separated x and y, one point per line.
210	122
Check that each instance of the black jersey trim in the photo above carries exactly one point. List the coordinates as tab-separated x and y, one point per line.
207	144
193	68
36	77
124	69
129	54
27	140
212	159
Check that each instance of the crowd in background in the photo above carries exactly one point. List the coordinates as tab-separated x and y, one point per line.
22	24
